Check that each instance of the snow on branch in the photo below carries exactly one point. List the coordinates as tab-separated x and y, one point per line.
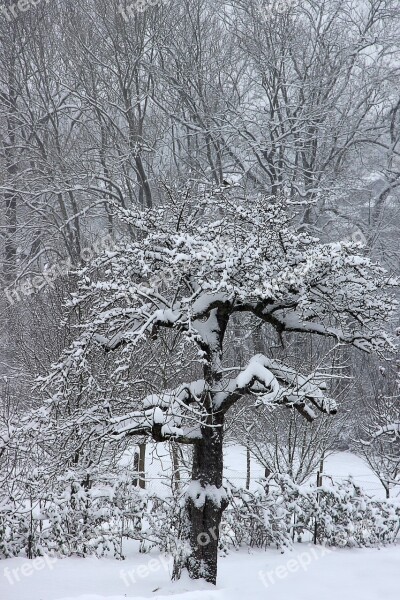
163	414
391	428
276	383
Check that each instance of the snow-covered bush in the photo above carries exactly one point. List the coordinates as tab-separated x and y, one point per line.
340	514
256	519
72	520
83	520
347	516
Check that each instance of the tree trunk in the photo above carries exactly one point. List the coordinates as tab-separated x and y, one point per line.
206	502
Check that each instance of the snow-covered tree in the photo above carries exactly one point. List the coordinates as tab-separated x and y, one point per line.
379	429
194	264
283	442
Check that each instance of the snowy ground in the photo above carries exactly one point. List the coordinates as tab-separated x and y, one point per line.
308	572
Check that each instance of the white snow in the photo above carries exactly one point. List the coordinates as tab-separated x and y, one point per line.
198	494
306	573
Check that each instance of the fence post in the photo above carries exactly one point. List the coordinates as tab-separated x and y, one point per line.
316	524
319	483
247	468
142	458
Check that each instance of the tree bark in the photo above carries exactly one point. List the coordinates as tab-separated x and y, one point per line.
206	502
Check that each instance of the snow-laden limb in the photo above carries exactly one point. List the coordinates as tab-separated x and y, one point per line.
276	383
163	414
270	380
300	387
372	340
391	429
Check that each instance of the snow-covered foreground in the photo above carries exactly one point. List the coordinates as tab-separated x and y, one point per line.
308	572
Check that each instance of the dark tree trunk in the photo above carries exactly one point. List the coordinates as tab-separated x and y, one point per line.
206	502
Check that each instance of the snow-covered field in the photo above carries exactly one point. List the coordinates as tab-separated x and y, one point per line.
307	572
338	466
